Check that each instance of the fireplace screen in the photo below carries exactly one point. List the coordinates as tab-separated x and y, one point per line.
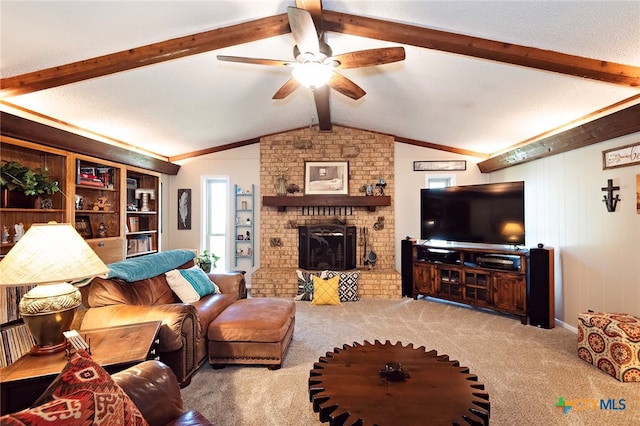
327	247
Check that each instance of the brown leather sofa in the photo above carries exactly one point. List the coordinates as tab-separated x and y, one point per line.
154	389
183	334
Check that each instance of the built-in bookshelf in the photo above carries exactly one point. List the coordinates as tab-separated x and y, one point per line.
143	201
96	197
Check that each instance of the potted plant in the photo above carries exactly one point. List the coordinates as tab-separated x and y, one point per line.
206	260
16	178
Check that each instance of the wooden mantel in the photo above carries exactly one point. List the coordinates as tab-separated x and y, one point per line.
370	202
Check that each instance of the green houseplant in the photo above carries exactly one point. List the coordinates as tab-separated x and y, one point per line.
33	182
206	260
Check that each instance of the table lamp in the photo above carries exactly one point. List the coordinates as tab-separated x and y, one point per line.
50	256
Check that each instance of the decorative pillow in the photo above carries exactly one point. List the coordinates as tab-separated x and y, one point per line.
325	292
348	285
82	394
143	267
190	284
305	284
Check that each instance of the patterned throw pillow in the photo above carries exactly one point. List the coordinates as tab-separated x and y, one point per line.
82	394
305	284
190	284
348	285
325	292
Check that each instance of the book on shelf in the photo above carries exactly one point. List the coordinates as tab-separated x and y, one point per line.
100	177
15	341
139	244
9	301
91	182
134	223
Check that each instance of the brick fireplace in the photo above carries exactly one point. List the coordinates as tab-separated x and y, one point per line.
370	157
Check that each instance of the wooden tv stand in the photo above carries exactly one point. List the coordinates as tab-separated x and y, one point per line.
478	275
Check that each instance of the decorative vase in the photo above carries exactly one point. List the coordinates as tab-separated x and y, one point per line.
281	186
205	266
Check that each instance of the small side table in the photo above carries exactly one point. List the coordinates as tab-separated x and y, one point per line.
114	348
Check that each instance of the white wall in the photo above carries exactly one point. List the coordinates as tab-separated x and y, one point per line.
596	252
242	167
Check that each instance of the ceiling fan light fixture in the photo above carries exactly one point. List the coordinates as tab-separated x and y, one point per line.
312	74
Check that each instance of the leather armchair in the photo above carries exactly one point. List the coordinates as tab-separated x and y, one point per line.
154	389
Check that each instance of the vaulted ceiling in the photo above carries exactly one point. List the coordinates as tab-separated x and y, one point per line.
480	77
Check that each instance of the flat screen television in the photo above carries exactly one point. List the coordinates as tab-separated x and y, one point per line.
488	213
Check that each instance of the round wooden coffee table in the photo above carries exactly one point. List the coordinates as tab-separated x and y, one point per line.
363	385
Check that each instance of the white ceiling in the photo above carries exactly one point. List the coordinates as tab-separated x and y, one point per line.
198	102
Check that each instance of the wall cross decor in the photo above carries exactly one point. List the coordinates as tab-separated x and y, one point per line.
609	199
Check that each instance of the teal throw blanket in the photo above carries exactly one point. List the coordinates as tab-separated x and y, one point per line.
143	267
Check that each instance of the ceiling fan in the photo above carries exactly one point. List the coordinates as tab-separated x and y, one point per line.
315	65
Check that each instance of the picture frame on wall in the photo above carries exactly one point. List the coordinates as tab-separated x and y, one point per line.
83	226
439	166
184	208
326	177
627	155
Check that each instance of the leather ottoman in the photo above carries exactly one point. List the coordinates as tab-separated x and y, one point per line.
611	342
252	331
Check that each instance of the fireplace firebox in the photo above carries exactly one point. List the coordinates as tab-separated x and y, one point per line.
327	246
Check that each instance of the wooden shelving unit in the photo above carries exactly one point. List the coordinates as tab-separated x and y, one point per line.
34	156
456	273
244	227
142	211
101	226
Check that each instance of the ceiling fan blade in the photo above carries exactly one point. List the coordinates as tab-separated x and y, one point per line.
256	61
321	97
345	86
287	88
369	57
314	7
304	31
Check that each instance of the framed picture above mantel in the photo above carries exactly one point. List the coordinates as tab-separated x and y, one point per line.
326	177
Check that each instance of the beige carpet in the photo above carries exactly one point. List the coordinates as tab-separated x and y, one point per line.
525	369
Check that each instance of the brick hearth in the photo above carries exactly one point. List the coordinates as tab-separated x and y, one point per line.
370	157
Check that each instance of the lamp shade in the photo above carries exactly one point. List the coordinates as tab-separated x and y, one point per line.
50	253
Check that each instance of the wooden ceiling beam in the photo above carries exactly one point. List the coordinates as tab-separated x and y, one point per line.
431	145
525	56
214	149
259	29
145	55
611	126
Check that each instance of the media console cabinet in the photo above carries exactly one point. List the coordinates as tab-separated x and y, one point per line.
514	281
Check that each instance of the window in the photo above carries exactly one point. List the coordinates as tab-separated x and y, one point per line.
216	207
439	181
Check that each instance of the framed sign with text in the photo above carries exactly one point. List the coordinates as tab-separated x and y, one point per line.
627	155
437	166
